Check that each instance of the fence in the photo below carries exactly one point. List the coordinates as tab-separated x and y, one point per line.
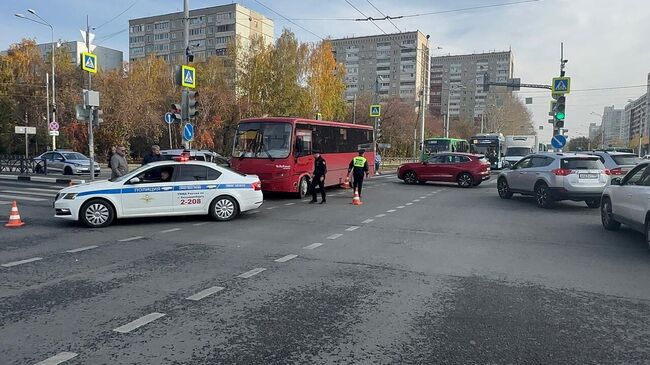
22	165
394	162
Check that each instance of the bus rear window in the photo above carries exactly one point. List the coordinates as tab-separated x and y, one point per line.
582	163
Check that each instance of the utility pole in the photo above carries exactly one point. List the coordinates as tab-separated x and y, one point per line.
47	96
26	139
91	140
354	109
482	121
186	25
374	130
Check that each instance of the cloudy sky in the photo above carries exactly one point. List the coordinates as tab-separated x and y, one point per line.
606	42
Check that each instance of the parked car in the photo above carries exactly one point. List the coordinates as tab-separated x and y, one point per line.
465	169
196	155
551	177
618	163
65	162
627	200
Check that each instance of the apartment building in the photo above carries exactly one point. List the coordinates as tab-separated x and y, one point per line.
211	30
612	123
108	58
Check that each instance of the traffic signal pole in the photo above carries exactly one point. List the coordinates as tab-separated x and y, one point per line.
91	140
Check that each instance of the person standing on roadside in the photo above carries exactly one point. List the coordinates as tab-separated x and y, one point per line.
320	169
153	156
110	154
377	162
359	165
119	166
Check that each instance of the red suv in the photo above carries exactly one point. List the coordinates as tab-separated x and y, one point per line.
465	169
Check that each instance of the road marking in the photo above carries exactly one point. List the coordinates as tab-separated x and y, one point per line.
352	228
28	193
437	191
26	198
286	258
253	212
367	221
250	273
131	239
204	293
81	249
306	200
269	208
334	236
58	358
312	246
139	322
26	261
170	230
3	202
199	224
416	200
423	197
390	210
288	204
408	204
400	207
51	190
380	215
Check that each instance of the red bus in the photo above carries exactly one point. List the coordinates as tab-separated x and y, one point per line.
279	151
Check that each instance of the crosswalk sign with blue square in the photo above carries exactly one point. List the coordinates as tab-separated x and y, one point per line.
561	85
89	62
375	110
189	76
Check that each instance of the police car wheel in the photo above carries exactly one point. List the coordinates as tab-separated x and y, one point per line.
224	208
96	213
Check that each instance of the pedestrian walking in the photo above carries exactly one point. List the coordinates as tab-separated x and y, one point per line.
320	169
377	162
119	166
359	166
153	156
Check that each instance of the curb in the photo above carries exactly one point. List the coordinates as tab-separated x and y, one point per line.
51	180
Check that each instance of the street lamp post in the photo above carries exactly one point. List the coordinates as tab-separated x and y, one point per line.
53	45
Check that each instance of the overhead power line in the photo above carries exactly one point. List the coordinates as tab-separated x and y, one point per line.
117	16
384	15
290	21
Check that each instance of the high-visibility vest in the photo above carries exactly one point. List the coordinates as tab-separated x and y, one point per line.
359	161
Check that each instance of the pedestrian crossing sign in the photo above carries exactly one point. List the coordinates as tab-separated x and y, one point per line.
189	76
89	62
561	85
375	110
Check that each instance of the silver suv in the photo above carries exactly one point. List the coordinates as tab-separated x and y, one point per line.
618	163
627	201
551	177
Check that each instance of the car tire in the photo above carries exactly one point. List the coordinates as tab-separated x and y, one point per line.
503	189
465	180
97	213
647	233
224	208
593	203
411	178
67	170
303	187
606	217
543	196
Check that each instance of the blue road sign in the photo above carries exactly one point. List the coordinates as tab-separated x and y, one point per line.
188	132
169	118
558	141
561	85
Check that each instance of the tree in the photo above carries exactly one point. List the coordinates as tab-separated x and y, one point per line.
579	144
326	82
507	114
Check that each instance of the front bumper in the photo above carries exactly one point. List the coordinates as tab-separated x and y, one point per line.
66	209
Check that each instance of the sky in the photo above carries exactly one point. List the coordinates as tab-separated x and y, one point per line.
606	42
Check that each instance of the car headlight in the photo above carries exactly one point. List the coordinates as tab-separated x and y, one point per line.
70	196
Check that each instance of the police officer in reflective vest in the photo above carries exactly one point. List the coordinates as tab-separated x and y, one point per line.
359	165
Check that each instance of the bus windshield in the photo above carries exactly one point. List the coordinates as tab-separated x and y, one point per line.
262	140
436	145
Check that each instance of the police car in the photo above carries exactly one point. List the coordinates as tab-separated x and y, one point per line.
162	188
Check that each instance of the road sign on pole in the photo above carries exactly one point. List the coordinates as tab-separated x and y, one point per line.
558	141
24	130
375	110
89	62
54	133
54	126
169	118
188	132
561	85
189	76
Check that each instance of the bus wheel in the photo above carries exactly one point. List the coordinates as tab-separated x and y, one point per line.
303	187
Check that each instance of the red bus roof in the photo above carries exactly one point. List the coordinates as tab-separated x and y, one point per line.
294	120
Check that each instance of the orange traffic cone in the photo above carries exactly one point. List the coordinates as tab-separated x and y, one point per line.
346	183
356	200
14	217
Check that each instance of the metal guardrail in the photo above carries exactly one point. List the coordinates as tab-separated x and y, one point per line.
22	165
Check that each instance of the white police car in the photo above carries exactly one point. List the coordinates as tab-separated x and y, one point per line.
162	189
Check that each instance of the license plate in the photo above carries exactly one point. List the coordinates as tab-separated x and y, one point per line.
588	176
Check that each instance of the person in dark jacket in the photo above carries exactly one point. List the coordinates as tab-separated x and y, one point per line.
154	156
359	166
110	155
320	169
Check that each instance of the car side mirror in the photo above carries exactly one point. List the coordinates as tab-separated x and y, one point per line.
616	181
135	180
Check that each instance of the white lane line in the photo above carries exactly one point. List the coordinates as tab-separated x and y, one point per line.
253	212
288	204
352	228
250	273
26	198
81	249
390	211
423	197
131	239
368	221
26	261
437	191
416	200
204	293
312	246
170	230
400	207
28	193
380	215
51	190
3	202
199	224
269	208
408	204
286	258
334	236
139	322
57	359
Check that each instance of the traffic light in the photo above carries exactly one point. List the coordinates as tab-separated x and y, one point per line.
378	130
192	104
98	117
559	112
177	111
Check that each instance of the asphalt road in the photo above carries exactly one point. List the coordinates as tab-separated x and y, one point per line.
429	274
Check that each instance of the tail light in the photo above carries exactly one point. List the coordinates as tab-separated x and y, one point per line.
615	172
257	185
562	172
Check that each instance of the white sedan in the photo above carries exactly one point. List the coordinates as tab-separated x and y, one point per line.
162	189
